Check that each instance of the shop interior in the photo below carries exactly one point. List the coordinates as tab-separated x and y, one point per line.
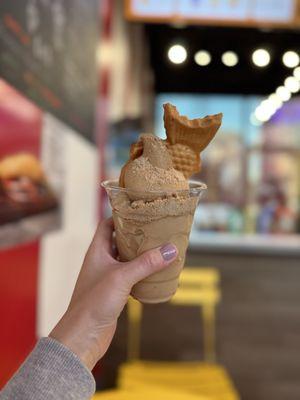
71	112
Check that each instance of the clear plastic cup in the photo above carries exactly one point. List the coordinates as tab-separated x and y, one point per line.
159	217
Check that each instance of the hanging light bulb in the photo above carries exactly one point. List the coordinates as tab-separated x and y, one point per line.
290	59
292	84
202	57
261	57
230	58
177	54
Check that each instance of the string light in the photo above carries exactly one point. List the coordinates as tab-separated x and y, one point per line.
177	54
261	115
230	58
297	73
283	93
292	84
202	57
261	57
290	59
275	101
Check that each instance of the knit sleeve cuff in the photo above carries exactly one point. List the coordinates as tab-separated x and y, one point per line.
51	371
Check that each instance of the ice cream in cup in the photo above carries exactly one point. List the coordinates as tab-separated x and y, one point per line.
153	203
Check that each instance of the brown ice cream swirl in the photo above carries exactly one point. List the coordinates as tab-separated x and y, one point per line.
152	171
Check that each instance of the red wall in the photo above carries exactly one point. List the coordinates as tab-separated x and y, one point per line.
20	130
18	284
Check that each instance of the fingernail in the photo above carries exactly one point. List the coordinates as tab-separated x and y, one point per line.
168	252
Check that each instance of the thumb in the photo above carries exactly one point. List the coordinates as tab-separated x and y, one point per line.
149	262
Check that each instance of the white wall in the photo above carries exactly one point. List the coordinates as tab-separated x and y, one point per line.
62	251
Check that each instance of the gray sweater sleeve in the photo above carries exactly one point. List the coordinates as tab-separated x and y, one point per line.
50	372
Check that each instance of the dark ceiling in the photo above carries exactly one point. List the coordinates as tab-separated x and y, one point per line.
217	78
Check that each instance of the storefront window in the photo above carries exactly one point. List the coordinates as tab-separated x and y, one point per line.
252	171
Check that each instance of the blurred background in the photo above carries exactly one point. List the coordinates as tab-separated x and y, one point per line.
79	82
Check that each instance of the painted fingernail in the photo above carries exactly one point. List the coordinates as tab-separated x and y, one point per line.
168	251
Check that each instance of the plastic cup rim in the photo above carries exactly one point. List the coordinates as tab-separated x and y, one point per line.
194	187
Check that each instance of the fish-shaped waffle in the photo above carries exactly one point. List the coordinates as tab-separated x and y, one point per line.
186	139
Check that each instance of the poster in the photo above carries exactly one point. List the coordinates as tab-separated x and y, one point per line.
48	51
30	190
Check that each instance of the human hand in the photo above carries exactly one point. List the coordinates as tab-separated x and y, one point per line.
101	292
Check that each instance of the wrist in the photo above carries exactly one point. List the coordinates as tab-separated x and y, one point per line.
78	340
82	338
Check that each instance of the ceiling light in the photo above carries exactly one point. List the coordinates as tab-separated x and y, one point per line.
261	115
177	54
254	121
268	107
292	84
297	73
283	93
290	59
230	59
275	100
202	57
261	57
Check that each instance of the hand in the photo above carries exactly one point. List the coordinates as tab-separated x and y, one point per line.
101	292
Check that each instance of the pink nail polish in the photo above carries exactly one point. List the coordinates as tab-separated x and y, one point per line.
168	252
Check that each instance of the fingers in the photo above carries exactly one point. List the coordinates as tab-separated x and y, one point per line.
103	235
98	256
149	262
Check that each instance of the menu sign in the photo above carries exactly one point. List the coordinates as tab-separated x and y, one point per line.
248	12
48	51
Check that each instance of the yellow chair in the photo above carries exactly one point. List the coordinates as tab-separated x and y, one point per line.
198	287
148	393
210	382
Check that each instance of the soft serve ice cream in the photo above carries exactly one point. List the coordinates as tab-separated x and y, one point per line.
156	204
153	170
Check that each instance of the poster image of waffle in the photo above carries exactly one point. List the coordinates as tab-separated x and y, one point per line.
31	172
24	188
